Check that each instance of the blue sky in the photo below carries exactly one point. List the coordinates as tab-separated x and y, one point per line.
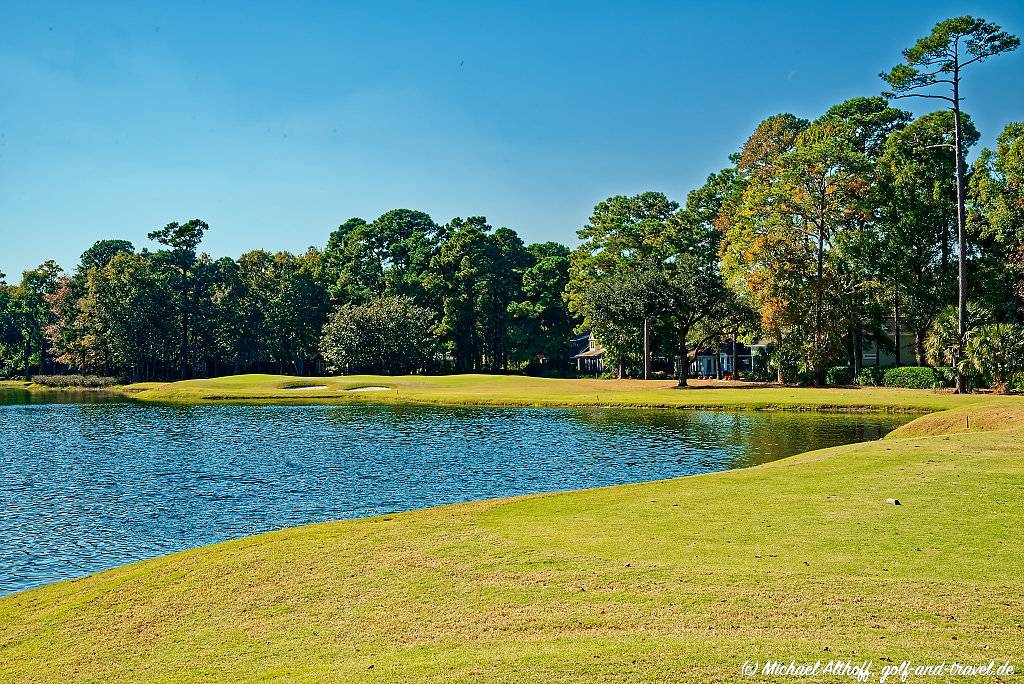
277	121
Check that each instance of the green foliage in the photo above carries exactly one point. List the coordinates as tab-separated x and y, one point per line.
542	325
101	252
839	375
938	54
913	377
871	376
996	221
64	381
942	345
996	352
946	376
760	370
388	335
784	361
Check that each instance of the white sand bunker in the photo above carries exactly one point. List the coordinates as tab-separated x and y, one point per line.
369	388
305	387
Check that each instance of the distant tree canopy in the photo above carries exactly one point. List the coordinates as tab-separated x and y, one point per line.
494	303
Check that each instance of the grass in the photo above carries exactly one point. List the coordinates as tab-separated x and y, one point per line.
506	390
671	581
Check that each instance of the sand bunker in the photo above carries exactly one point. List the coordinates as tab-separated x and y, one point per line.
370	388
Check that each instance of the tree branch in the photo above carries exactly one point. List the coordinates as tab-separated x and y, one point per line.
931	97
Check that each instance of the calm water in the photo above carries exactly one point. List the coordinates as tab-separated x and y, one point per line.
88	486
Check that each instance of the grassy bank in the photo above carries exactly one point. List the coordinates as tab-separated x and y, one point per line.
680	580
505	390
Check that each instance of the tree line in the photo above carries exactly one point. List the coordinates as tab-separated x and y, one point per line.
823	236
459	297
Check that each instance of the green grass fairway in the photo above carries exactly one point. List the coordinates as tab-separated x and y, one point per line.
672	581
510	390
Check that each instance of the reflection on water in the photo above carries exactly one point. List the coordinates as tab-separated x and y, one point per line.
88	486
71	396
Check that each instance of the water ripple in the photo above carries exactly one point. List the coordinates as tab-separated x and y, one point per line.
86	487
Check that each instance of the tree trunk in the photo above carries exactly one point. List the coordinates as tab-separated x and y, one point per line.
961	235
684	361
896	328
819	372
858	350
647	351
735	358
919	347
780	375
622	367
183	358
28	355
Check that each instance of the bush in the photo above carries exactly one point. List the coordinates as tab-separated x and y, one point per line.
945	376
805	378
942	345
839	375
387	335
65	381
913	377
996	352
870	376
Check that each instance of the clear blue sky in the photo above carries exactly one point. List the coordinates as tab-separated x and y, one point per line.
277	121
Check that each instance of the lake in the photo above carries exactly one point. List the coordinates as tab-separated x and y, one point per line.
91	483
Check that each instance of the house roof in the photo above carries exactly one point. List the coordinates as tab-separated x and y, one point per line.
590	354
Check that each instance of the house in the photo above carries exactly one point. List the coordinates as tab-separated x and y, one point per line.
587	353
702	361
875	354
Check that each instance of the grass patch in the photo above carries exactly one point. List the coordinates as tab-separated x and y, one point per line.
678	580
506	390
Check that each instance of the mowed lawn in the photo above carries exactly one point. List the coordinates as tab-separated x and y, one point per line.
509	390
672	581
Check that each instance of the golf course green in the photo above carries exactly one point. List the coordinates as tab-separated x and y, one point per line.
517	390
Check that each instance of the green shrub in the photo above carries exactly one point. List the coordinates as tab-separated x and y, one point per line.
74	380
945	376
913	377
786	359
839	375
996	352
389	335
805	378
870	376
